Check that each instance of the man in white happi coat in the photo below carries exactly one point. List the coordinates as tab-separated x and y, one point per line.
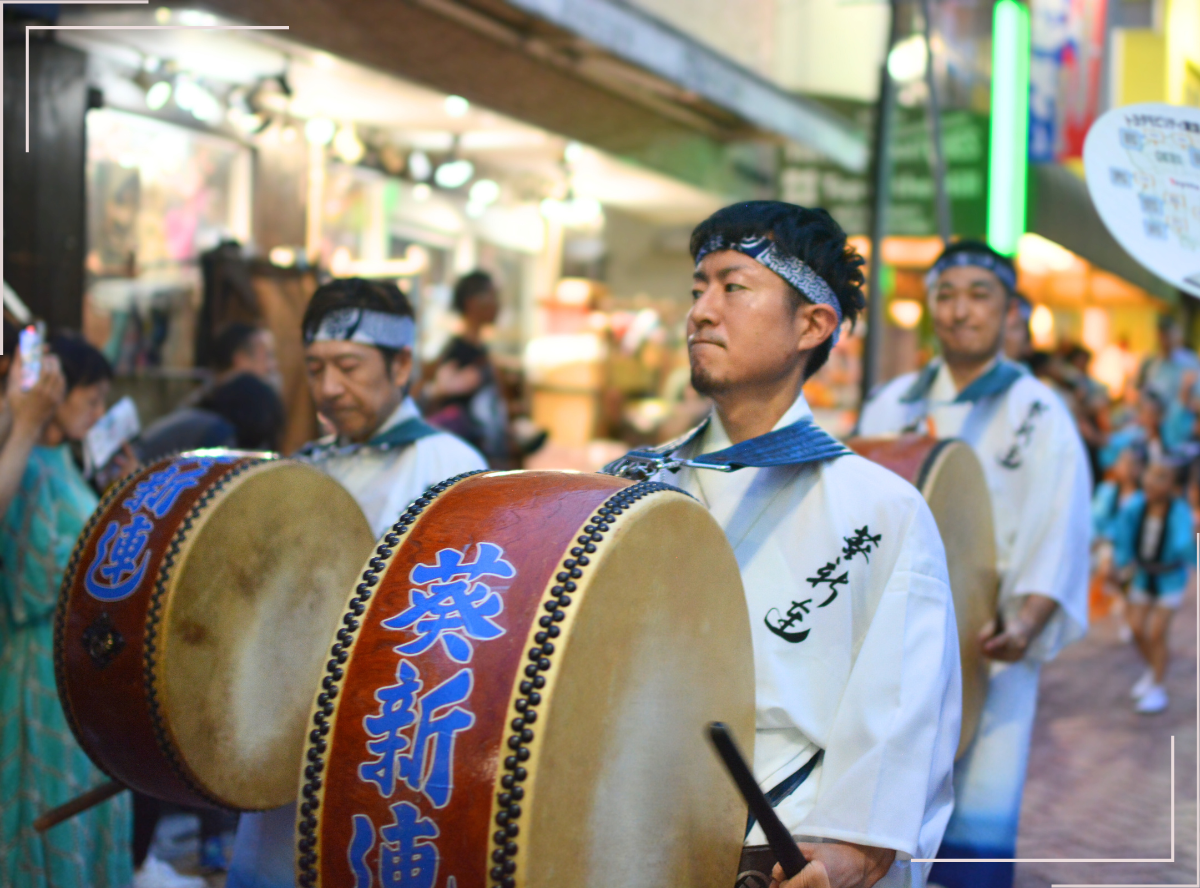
1037	470
358	341
858	686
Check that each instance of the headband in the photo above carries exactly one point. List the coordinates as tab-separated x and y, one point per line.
365	326
792	269
979	259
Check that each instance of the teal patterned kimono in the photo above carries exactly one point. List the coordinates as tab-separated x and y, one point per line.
41	765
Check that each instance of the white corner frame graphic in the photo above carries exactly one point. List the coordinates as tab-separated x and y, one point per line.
1171	859
28	28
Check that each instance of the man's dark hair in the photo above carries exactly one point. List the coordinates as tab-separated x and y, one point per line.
82	363
231	341
356	293
252	407
469	286
977	246
812	235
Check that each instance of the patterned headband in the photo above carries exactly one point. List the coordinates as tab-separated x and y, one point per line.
792	269
364	326
977	258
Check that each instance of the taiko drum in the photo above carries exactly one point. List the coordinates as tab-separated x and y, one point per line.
949	476
194	620
518	692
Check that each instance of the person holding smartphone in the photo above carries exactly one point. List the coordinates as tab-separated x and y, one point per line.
46	502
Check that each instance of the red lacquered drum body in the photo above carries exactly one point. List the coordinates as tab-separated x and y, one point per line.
519	691
193	621
948	474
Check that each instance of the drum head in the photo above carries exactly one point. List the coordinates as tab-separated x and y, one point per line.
954	485
255	592
658	647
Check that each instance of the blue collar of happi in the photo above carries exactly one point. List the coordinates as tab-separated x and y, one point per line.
797	444
996	381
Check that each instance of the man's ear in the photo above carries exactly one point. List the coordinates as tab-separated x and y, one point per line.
819	323
400	368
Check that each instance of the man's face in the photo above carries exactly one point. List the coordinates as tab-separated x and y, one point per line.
353	387
742	329
969	307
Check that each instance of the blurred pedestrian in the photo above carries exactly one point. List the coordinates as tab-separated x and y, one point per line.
1165	375
1156	545
1018	340
46	503
245	348
1145	432
464	395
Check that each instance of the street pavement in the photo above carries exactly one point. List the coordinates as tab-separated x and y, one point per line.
1099	781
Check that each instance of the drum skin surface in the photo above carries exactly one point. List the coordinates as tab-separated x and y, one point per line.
948	474
554	736
193	621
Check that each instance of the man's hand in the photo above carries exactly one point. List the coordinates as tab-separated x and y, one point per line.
837	865
1010	645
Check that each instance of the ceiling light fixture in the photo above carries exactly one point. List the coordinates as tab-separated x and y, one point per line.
320	130
454	173
419	166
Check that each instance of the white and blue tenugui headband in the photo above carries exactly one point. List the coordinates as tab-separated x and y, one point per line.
365	326
977	258
792	269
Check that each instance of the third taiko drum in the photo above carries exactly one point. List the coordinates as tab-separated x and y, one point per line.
949	476
518	691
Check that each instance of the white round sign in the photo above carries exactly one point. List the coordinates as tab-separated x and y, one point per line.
1143	172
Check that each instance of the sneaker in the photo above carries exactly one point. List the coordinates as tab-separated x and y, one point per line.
1154	700
1143	684
155	873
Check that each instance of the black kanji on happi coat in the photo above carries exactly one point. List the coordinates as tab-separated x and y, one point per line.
1011	459
861	542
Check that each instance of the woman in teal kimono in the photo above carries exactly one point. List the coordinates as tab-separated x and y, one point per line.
45	502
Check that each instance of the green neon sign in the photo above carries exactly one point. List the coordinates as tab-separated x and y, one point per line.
1009	156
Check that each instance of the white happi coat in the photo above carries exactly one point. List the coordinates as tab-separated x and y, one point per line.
384	483
1038	475
875	680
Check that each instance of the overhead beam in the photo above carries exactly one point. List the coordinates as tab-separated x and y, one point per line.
643	40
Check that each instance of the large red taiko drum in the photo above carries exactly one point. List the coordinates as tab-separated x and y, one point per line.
518	694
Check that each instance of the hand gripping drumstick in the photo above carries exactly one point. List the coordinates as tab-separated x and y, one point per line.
78	805
780	840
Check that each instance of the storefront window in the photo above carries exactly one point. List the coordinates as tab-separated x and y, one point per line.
158	196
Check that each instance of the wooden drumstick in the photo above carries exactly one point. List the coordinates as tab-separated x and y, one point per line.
780	840
78	805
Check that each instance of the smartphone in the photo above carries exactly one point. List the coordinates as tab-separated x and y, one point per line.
30	347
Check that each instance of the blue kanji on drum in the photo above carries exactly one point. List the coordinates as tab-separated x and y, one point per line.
455	606
426	761
121	557
407	857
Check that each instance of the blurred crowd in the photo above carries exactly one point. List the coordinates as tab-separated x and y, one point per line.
1143	443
